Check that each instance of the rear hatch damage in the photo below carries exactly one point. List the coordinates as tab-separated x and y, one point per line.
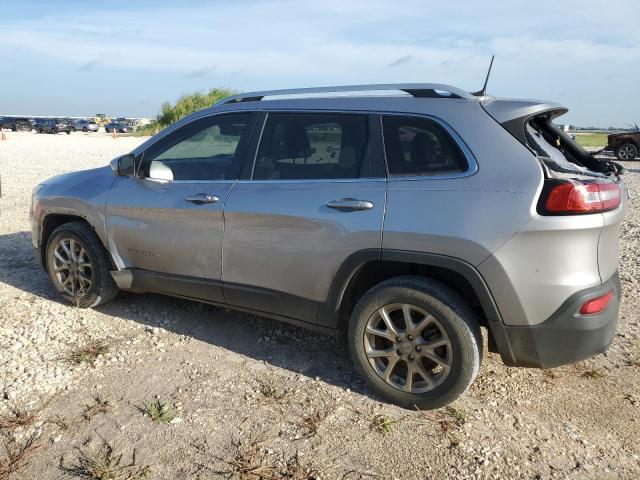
531	123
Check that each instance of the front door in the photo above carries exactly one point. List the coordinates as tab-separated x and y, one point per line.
315	196
166	222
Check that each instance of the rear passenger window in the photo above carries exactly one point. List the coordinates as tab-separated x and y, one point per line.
420	146
300	146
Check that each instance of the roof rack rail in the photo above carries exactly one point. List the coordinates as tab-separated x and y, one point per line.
419	90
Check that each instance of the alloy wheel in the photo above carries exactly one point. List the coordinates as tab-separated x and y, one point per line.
627	152
72	267
408	348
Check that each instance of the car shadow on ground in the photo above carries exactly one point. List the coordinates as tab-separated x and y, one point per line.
278	344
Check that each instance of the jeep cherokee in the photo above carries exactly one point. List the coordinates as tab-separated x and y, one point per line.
406	219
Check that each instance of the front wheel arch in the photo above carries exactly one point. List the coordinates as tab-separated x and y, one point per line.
49	224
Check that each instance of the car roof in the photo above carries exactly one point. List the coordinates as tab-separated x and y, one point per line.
402	97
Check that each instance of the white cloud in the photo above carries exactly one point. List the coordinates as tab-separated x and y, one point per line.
543	48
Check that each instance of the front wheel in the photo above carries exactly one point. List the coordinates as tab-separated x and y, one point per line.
79	266
416	342
626	151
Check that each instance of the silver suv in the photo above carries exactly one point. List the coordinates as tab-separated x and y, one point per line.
403	218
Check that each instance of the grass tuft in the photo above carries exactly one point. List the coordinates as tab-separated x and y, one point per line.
17	453
105	463
157	411
588	372
97	407
272	390
382	424
310	423
20	417
247	460
87	353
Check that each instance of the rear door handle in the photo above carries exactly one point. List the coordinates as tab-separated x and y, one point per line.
350	204
200	198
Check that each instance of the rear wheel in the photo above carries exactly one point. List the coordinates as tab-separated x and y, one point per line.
416	342
84	129
626	151
79	266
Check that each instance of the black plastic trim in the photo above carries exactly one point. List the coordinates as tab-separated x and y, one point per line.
268	300
170	284
567	337
329	310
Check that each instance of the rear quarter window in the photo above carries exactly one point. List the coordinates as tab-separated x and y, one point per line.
420	146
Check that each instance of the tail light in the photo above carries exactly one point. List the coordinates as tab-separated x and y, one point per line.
572	197
596	305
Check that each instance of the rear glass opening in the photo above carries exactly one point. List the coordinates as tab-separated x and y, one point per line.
560	153
549	150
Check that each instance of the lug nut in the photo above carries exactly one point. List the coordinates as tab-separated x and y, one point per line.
410	357
410	337
418	348
398	339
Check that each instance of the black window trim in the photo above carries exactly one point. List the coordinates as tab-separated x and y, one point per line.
253	122
472	165
378	168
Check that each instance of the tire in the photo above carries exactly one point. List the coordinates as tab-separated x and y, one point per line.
626	152
80	237
84	129
447	318
68	132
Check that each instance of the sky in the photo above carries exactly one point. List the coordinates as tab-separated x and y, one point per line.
124	58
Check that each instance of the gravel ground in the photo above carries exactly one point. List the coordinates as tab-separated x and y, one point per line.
245	397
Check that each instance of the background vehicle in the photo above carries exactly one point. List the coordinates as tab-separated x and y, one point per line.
85	126
7	123
38	124
56	125
15	124
402	223
118	127
625	145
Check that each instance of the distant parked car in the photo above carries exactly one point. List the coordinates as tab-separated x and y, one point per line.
118	127
85	126
22	125
7	123
625	145
38	123
56	125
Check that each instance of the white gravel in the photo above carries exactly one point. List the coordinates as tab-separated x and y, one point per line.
213	364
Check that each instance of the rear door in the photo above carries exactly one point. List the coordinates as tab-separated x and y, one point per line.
167	221
314	196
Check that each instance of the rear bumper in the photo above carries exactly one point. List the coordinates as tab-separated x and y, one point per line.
566	337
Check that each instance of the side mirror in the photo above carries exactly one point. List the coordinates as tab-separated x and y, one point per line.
123	166
159	171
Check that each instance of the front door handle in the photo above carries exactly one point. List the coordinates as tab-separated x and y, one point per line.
350	204
200	198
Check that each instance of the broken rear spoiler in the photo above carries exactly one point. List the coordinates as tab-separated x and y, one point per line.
513	115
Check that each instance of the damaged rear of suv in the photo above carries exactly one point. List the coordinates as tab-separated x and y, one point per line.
562	265
405	222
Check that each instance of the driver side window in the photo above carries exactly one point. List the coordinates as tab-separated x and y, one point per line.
210	148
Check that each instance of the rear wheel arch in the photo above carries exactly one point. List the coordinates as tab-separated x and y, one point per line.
377	267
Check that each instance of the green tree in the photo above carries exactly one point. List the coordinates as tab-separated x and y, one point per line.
186	104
